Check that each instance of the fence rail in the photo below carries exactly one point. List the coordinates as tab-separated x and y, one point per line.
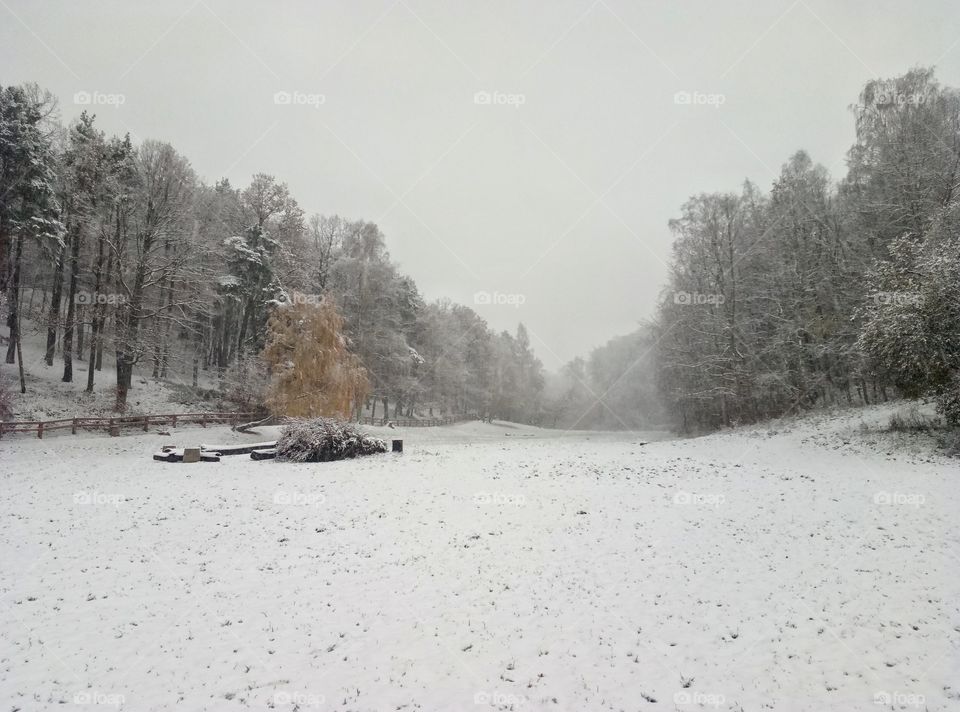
115	424
416	422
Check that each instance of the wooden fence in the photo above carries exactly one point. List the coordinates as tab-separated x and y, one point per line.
416	422
116	424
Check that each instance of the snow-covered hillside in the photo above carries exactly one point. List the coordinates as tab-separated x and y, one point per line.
489	566
48	397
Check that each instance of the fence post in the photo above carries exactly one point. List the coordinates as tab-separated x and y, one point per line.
40	430
73	427
174	424
146	423
203	420
114	430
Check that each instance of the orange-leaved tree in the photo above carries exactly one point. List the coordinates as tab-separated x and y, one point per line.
312	371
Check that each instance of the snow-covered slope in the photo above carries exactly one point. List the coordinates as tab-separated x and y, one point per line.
489	566
48	397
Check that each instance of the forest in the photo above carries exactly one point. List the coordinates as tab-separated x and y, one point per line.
121	254
814	292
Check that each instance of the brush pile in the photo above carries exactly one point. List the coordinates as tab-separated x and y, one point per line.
324	440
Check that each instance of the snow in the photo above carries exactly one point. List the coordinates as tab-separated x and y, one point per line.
788	567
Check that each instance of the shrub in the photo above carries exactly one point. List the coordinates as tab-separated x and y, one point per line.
323	440
948	402
912	420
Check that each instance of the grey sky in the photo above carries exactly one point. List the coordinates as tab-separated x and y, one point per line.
563	199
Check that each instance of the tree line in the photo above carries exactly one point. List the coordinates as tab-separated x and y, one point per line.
812	293
119	252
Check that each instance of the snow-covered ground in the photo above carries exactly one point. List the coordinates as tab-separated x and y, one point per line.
799	566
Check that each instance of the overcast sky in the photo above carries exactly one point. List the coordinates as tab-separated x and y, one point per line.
556	194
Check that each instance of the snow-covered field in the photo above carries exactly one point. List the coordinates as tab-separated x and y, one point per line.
802	566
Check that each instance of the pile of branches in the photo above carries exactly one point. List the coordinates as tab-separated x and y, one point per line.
323	440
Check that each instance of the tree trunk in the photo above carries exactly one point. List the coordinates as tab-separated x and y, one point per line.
244	322
23	381
13	313
80	330
71	304
103	324
53	319
93	351
124	374
97	312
